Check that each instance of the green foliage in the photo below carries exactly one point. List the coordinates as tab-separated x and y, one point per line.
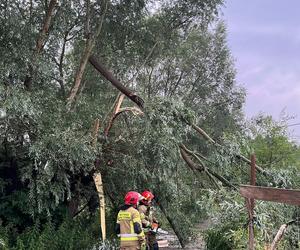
47	159
81	233
230	227
272	145
216	239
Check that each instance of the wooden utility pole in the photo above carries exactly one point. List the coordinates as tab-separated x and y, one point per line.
251	203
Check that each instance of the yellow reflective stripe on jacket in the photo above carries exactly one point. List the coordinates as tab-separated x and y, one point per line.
129	237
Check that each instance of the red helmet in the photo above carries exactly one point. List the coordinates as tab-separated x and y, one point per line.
148	196
132	198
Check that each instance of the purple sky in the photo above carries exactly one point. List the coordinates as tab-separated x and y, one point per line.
264	37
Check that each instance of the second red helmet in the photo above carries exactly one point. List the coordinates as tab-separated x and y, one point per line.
147	195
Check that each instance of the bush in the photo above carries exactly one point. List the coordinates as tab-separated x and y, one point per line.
82	233
216	239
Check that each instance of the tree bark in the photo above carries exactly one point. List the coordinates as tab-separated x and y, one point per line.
193	166
116	109
185	155
278	236
281	232
115	82
84	58
90	42
208	138
39	44
99	184
41	39
203	133
173	225
88	19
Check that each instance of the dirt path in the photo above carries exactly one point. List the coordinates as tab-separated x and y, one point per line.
198	243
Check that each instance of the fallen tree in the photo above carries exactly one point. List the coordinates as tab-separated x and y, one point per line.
281	232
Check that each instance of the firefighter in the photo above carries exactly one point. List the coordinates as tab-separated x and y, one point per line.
129	226
149	223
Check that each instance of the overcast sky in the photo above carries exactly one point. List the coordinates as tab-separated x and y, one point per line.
264	37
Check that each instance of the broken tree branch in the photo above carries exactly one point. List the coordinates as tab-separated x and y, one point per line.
184	153
88	19
281	232
208	138
195	167
98	183
99	186
258	168
203	133
116	109
116	83
189	161
134	110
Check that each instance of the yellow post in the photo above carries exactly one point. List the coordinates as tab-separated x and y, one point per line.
99	186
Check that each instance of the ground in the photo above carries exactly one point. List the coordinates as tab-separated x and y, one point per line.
196	243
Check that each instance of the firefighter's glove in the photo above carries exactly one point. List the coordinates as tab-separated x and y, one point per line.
155	226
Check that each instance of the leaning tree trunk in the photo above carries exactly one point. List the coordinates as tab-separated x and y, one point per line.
175	228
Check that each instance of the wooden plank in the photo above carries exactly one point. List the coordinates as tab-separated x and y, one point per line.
287	196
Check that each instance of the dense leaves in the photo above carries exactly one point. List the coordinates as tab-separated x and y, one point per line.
174	55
